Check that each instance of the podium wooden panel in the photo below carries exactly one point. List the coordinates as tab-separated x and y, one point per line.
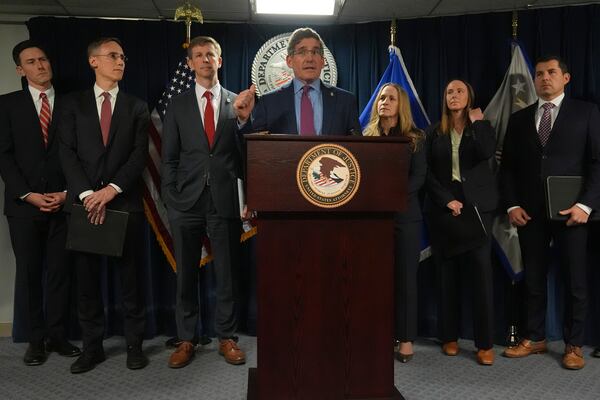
325	276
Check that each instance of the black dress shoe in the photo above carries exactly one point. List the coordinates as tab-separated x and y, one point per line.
136	358
596	352
35	354
62	347
87	362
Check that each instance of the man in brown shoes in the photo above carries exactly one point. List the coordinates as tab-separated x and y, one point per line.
201	167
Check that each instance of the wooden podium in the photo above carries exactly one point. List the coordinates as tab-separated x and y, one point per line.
325	275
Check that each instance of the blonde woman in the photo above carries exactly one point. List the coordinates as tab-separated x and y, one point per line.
391	116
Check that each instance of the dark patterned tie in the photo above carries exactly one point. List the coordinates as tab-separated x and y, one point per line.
105	117
209	119
45	117
307	116
545	123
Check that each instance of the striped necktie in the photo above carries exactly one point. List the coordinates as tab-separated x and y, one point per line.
45	117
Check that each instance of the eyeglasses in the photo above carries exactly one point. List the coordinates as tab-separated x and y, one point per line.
306	52
113	56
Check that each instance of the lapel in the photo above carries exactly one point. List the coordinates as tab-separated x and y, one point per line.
195	119
89	107
224	112
118	114
559	123
30	113
52	128
329	103
287	99
446	153
530	129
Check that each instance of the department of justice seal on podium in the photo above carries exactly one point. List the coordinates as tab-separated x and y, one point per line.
270	70
328	175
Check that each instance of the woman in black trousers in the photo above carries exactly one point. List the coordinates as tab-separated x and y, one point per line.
459	151
391	116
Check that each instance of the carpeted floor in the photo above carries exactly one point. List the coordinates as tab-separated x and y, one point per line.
430	375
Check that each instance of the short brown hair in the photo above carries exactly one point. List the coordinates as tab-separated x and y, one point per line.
95	45
550	57
201	41
24	45
301	34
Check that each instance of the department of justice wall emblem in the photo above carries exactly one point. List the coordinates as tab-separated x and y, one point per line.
328	175
270	71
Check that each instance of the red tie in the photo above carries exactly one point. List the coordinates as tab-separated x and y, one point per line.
307	116
45	117
105	117
209	119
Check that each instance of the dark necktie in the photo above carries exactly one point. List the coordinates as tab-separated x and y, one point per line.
209	119
307	116
105	117
45	117
545	123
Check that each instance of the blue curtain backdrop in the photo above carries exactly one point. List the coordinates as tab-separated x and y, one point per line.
473	47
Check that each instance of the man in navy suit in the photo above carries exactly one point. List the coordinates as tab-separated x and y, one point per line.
332	111
201	166
104	145
554	136
33	204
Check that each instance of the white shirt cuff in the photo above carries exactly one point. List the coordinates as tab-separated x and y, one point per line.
512	208
118	189
85	194
584	208
25	196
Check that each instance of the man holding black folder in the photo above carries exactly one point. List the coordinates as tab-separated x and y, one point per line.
201	170
556	136
103	151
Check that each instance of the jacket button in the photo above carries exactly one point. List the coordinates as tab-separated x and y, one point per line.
210	155
463	179
544	157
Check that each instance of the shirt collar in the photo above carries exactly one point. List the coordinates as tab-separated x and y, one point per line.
215	90
557	101
98	91
298	85
35	92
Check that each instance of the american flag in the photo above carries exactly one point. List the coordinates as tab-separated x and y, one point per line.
156	213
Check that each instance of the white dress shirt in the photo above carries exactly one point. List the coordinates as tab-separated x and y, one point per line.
215	100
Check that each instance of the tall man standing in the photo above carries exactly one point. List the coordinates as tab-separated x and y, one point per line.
554	136
306	105
33	200
201	164
104	144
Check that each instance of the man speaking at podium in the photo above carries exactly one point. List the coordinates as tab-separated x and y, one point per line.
305	106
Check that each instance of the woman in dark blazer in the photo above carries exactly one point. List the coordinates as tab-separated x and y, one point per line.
391	116
459	151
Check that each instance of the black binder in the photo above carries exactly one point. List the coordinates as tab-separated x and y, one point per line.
106	239
454	235
561	193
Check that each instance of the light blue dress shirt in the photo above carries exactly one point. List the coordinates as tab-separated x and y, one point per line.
315	99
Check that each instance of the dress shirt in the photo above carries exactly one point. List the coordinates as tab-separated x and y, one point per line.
35	95
455	139
215	101
316	100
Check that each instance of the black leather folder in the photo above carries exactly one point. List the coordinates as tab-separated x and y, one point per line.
454	235
562	192
106	239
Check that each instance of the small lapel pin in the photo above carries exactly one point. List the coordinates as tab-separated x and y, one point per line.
228	100
331	94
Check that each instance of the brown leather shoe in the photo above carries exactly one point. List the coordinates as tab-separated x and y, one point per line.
485	357
229	349
183	355
525	348
450	348
573	358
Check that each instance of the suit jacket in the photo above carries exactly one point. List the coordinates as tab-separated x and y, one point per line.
88	164
417	172
275	112
188	163
26	165
476	150
573	148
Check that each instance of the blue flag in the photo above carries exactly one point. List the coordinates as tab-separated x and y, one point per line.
396	73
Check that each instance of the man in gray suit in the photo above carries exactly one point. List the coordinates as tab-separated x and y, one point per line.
201	164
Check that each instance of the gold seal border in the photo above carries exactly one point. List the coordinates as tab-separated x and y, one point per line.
316	202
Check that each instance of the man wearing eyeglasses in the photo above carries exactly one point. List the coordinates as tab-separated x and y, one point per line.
33	200
305	106
103	151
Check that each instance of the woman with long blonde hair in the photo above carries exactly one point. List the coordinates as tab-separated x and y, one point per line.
391	116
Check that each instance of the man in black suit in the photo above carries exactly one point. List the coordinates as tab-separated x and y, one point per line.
104	143
33	200
330	110
554	136
201	167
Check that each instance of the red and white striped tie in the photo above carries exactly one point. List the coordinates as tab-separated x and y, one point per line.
45	117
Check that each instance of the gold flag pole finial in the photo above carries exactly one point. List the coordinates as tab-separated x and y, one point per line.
393	29
188	13
515	24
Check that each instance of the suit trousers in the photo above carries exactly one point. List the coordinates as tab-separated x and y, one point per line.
39	242
407	246
571	244
188	228
130	267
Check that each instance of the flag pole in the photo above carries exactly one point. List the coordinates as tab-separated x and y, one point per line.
393	29
515	24
188	13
